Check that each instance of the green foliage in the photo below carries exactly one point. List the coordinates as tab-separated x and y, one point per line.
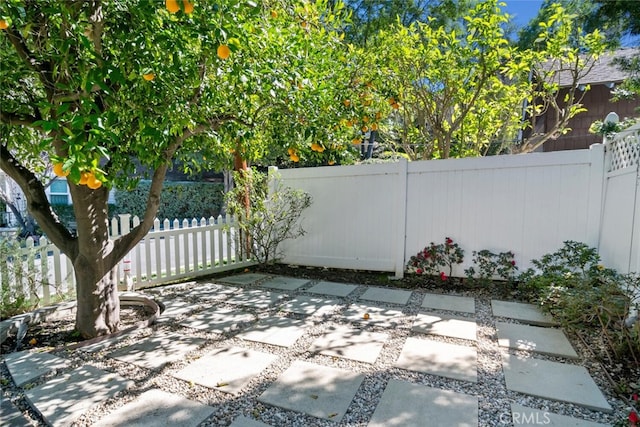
488	266
583	294
19	285
273	214
178	200
435	258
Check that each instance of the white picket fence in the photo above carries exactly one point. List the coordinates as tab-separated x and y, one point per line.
171	251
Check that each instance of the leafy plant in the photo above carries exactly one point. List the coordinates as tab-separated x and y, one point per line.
584	295
433	259
273	215
489	265
15	297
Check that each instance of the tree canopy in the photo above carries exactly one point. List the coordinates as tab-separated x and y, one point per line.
194	81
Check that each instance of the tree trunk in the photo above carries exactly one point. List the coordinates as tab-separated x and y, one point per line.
98	308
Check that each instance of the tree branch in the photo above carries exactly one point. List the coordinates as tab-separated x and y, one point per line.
18	120
37	202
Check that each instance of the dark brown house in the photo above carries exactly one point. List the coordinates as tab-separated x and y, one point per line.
602	79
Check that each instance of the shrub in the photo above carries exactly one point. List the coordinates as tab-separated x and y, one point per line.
434	259
19	285
178	200
488	266
273	216
584	295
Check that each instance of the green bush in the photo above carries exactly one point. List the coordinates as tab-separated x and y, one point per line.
584	295
178	200
273	216
16	299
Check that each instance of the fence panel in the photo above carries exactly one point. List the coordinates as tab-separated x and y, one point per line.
620	233
353	219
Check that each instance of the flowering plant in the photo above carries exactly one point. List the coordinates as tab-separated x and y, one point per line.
436	258
488	265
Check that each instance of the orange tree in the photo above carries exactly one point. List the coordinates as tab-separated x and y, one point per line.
100	88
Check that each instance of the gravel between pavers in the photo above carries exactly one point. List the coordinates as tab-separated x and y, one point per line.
494	398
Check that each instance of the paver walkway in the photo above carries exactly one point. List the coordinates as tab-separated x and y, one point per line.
419	350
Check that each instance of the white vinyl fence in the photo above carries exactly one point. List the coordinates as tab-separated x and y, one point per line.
171	251
376	217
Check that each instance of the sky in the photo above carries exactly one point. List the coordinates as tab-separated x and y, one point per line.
522	10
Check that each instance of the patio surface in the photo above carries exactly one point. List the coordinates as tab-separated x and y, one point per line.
253	347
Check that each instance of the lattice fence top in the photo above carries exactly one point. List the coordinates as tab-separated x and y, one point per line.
624	149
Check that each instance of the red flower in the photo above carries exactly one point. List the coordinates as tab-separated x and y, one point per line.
633	417
419	271
513	262
443	276
448	241
634	397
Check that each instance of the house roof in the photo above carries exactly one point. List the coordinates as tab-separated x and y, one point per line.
604	70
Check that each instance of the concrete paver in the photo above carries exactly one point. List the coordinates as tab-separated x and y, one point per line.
157	408
333	289
25	366
244	279
243	421
211	292
226	369
256	298
63	399
523	416
553	380
176	307
449	302
219	320
281	331
157	350
393	296
10	415
309	305
446	326
527	313
316	390
414	405
534	338
439	358
350	343
285	283
378	316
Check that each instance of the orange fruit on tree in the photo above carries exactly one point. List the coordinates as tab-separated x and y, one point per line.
274	14
93	182
374	126
84	178
346	102
172	6
331	162
149	76
356	141
294	158
59	171
378	115
3	24
290	151
364	129
304	24
395	105
188	7
223	51
365	119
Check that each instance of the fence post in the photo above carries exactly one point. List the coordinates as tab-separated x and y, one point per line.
125	228
597	189
401	212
